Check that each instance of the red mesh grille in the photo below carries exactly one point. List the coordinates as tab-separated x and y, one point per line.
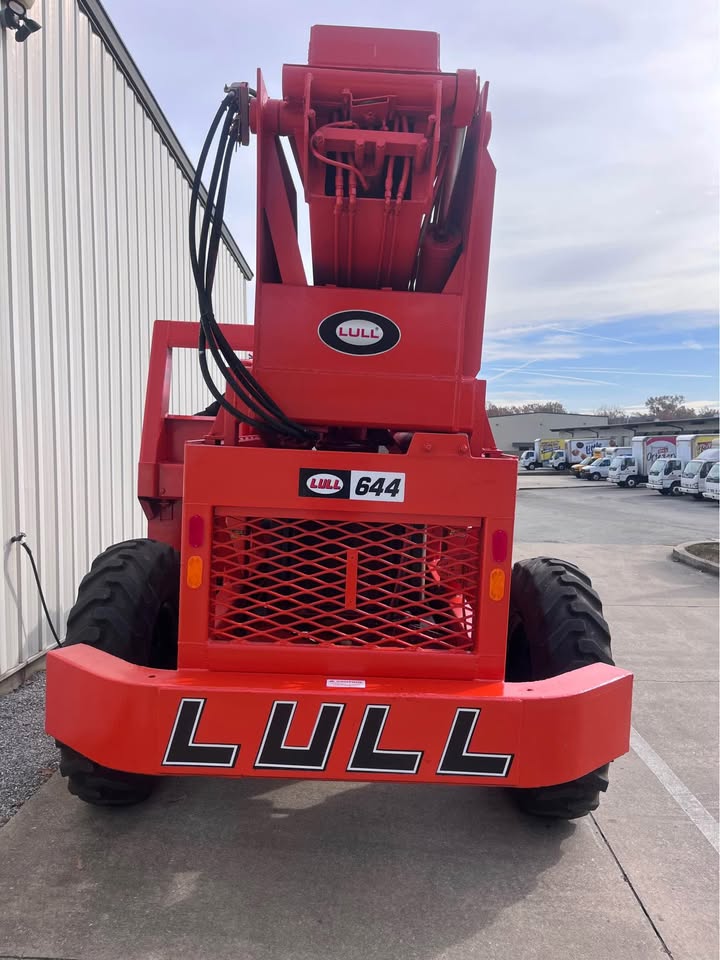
343	583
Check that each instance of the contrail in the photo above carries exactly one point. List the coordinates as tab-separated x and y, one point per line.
594	336
512	370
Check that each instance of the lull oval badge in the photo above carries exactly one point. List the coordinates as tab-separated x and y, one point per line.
324	483
359	333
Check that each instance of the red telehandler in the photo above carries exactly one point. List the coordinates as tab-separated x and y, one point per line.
327	588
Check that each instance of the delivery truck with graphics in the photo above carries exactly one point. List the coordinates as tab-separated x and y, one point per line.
541	453
694	476
666	472
630	470
573	451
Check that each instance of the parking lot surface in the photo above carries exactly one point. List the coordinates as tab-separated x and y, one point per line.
264	870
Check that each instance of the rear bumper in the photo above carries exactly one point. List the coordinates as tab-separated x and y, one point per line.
228	724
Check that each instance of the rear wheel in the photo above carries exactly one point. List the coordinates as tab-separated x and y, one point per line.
126	606
556	625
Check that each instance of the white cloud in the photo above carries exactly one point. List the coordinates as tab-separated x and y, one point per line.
560	340
492	352
691	345
607	159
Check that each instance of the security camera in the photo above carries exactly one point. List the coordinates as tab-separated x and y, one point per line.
14	17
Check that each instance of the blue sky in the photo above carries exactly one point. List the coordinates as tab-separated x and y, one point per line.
604	266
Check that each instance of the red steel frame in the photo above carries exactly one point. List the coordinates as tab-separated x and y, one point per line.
370	252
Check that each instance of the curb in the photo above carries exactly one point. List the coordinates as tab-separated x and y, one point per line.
681	553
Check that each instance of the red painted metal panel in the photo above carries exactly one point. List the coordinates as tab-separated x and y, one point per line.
374	49
550	732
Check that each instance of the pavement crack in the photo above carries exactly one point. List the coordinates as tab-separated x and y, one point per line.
628	881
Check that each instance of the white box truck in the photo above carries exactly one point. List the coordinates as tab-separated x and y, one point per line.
712	483
541	454
600	469
633	469
666	472
694	476
573	451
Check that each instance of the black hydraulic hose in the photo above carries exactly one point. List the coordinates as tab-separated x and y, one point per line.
203	264
235	365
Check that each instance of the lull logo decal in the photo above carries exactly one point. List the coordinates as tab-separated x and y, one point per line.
457	761
183	751
275	754
328	483
368	758
359	333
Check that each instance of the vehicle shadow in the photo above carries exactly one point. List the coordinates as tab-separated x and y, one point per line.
213	868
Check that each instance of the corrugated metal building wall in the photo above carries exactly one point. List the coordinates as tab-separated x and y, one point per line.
94	196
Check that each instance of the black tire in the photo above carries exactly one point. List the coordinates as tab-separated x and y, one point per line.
556	625
675	489
631	482
595	476
126	606
530	466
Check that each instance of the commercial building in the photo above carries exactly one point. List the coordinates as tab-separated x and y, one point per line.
621	434
94	199
518	431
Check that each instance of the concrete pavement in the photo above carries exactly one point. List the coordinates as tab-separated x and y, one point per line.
268	870
663	618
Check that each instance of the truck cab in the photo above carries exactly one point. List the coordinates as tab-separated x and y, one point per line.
712	483
578	467
695	474
664	476
559	460
597	470
624	472
527	460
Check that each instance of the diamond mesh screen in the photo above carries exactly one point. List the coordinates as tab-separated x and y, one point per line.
286	581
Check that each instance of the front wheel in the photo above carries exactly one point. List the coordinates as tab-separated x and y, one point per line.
556	624
631	482
675	490
126	606
595	476
530	466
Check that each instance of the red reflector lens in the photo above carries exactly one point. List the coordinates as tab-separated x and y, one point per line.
196	530
499	546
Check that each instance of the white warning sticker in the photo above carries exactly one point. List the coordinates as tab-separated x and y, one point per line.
345	683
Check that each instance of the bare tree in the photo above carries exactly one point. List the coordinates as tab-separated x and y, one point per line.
551	406
614	414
